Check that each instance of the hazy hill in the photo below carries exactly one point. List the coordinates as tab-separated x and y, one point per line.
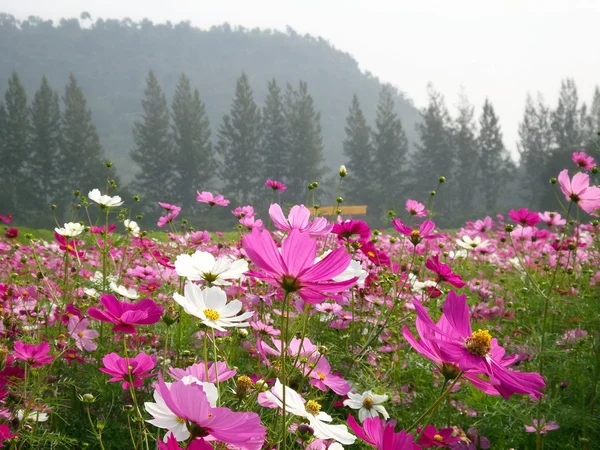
111	59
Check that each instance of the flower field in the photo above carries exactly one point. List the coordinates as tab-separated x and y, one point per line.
304	333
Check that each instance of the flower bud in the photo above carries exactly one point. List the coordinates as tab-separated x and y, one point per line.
136	198
442	180
432	193
53	206
88	398
509	228
339	200
342	172
595	170
108	164
553	180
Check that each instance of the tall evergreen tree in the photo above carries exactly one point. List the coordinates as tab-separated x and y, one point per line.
239	141
595	111
5	204
391	150
305	143
82	158
566	120
16	151
194	159
359	153
494	161
46	138
153	151
534	147
435	154
467	156
275	157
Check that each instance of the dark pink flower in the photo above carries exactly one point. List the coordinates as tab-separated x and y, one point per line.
578	190
348	228
444	272
276	185
299	219
437	438
5	434
35	355
195	444
293	268
7	219
376	256
524	217
125	316
416	209
415	236
322	378
207	197
583	160
381	434
12	233
131	371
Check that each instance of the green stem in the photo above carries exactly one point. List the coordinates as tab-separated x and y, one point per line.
284	337
216	368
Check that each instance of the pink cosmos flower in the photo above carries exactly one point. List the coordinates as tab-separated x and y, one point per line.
130	371
524	217
475	351
484	225
293	269
348	228
195	444
243	211
444	272
83	337
276	185
207	197
376	256
198	371
35	355
578	190
322	378
5	434
299	219
125	316
265	329
169	207
437	438
69	246
380	434
172	212
416	209
552	219
12	233
583	160
250	223
543	427
415	236
7	219
189	403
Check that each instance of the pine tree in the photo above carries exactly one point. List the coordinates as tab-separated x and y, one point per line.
566	120
534	147
194	159
275	157
595	111
4	199
435	154
82	158
153	151
494	158
239	141
16	151
46	144
305	143
391	150
359	153
467	156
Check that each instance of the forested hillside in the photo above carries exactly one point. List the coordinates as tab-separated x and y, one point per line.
111	60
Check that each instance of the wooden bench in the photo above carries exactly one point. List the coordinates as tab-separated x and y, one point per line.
357	210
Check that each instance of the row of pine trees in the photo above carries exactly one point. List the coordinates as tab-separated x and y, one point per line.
47	151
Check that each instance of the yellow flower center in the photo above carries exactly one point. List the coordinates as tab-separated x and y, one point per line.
211	314
415	233
438	438
80	334
312	407
371	254
321	375
479	343
180	420
209	277
368	403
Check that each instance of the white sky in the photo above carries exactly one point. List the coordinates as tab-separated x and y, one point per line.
500	49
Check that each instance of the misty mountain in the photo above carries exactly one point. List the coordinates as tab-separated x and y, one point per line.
111	59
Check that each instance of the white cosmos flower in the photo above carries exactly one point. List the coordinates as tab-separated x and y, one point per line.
472	244
132	227
104	200
123	291
91	292
354	269
420	286
211	307
204	266
368	404
70	229
311	410
33	416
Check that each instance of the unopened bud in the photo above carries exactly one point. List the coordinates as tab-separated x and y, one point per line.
442	180
108	164
595	170
509	228
53	206
343	172
76	193
553	180
88	398
339	200
432	193
136	198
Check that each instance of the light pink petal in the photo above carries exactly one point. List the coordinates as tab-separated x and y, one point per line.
299	216
278	218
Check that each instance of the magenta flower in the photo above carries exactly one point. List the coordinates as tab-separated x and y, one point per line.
7	219
524	217
415	236
276	185
83	337
299	219
130	371
195	444
543	427
189	403
437	438
416	209
207	197
35	355
293	269
126	316
444	272
578	190
12	233
348	228
322	378
583	160
380	434
477	351
198	371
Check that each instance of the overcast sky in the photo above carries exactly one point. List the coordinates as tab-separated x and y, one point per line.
500	49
